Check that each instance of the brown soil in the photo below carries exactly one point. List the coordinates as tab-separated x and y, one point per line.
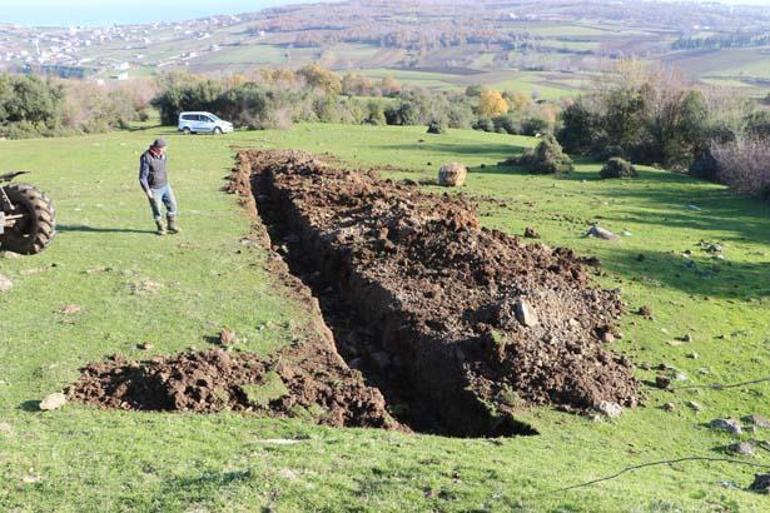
412	292
318	386
423	300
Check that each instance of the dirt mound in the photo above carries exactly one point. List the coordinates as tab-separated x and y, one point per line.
454	327
318	387
438	299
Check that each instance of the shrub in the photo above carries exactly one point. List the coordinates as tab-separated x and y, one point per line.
534	125
744	165
505	125
610	151
375	113
547	158
437	127
617	167
705	166
484	124
30	106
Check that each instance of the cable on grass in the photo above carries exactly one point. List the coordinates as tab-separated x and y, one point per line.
657	463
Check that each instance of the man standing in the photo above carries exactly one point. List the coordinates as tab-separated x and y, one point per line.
153	178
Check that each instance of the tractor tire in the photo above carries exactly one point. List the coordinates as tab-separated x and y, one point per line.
34	232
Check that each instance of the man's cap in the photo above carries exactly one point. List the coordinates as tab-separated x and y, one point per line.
159	143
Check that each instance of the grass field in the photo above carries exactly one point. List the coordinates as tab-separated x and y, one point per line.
80	459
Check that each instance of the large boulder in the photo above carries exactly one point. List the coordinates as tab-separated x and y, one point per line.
452	175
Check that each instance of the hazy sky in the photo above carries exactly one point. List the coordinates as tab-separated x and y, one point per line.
106	12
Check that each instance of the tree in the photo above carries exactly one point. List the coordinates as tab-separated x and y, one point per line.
320	78
492	103
390	86
519	102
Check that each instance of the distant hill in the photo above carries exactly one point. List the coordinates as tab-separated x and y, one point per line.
546	47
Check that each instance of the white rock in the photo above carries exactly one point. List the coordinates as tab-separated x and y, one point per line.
53	401
5	284
601	233
525	314
731	425
610	409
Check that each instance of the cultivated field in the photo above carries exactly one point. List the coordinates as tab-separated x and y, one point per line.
709	325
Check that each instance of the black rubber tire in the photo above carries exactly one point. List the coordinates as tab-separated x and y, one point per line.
186	131
35	231
218	131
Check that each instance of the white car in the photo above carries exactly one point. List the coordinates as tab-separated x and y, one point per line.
203	123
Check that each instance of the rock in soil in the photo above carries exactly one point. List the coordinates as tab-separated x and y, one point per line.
601	233
742	448
761	484
5	284
729	425
452	175
531	233
608	409
645	311
70	309
694	406
227	337
758	421
53	402
525	314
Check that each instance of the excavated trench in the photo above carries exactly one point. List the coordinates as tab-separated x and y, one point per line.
459	327
455	329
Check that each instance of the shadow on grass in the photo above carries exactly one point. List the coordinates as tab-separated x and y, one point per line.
82	228
698	275
30	406
697	206
199	489
480	150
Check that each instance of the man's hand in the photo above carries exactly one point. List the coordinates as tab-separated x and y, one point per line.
149	195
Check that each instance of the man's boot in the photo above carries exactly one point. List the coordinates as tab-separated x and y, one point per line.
161	229
172	227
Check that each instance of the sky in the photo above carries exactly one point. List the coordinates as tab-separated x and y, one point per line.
107	12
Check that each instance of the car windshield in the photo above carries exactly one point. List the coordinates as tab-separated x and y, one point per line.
212	116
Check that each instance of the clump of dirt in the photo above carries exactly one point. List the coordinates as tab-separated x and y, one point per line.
318	387
431	302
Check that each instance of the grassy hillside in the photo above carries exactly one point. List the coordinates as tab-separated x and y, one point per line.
174	292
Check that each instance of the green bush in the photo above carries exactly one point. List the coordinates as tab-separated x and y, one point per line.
437	127
506	125
30	107
617	167
484	124
546	158
534	125
610	151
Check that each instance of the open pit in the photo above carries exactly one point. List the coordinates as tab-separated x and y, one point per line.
434	323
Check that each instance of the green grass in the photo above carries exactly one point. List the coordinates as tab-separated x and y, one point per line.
80	459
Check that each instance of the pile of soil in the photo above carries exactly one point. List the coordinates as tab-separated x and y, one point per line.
469	323
421	319
301	381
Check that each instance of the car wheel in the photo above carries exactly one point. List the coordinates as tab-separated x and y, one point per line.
217	131
186	130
